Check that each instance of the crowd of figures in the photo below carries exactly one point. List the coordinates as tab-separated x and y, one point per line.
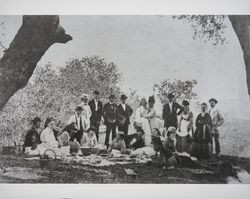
172	134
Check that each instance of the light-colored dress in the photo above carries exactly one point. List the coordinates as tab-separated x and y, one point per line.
48	138
144	123
154	121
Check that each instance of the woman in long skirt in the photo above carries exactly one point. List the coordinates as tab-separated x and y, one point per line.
143	122
185	129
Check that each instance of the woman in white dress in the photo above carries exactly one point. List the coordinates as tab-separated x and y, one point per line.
185	129
142	121
154	121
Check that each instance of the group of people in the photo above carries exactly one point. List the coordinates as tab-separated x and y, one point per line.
174	128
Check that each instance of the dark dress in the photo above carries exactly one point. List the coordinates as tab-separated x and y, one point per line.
202	139
32	139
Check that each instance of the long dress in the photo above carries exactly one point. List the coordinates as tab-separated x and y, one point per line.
185	132
144	123
154	121
202	138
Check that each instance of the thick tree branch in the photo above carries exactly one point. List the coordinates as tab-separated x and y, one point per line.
32	40
241	26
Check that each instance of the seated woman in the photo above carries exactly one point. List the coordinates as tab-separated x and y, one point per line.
47	136
136	140
32	138
89	138
118	143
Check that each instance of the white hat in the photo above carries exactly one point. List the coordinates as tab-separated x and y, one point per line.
120	133
84	95
172	129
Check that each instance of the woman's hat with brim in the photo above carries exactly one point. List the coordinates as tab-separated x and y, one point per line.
172	129
213	99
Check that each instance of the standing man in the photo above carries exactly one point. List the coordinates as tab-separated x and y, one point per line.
170	112
86	108
81	123
96	109
110	118
217	121
125	111
32	138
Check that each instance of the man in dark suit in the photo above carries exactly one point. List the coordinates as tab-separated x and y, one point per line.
32	138
110	118
125	112
170	112
96	109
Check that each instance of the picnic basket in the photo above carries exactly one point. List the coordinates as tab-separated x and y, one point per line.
47	162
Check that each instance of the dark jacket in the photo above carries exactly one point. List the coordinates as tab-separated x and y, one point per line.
126	113
110	113
170	118
96	115
203	128
32	138
139	141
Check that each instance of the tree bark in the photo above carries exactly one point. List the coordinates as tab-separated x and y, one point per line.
32	40
241	26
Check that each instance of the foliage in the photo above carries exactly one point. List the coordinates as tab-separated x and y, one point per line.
56	94
182	89
207	27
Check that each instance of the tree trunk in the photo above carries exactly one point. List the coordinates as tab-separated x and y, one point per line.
241	26
32	40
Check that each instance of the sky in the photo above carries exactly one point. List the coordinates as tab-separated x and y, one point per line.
148	49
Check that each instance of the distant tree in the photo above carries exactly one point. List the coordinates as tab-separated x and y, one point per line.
182	89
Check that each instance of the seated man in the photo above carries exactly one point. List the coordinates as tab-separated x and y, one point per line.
136	140
32	138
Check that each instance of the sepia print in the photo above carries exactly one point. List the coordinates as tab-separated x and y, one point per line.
125	99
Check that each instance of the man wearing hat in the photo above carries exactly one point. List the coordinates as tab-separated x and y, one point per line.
110	118
170	112
81	123
32	138
124	113
217	121
86	108
96	109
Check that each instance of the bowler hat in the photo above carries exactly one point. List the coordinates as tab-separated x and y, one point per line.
112	96
79	108
185	103
84	95
170	95
123	97
213	99
36	119
96	92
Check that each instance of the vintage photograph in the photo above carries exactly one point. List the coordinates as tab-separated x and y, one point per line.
120	99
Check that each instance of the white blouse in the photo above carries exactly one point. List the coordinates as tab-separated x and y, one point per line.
48	137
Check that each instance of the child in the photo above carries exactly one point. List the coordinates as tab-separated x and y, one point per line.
89	138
